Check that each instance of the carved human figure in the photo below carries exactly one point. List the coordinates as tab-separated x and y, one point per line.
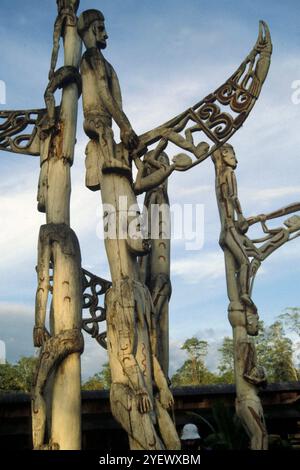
130	336
58	247
232	238
134	366
155	266
249	377
57	128
241	311
57	387
67	10
243	257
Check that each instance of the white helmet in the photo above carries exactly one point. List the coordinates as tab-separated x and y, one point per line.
190	432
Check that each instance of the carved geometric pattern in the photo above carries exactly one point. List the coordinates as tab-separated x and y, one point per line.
93	288
12	125
220	114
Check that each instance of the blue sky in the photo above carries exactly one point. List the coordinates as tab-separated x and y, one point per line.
168	55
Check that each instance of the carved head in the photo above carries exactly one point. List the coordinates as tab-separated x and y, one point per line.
72	5
91	29
162	158
225	156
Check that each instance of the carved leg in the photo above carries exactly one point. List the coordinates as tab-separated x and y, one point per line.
248	376
53	352
167	428
161	289
185	144
251	414
234	290
235	247
163	343
139	426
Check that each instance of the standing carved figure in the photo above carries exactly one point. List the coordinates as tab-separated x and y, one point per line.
130	315
243	257
155	266
59	252
242	313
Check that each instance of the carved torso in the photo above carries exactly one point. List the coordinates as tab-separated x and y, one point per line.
225	183
91	90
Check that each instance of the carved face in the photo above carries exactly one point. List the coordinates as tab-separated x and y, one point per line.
163	158
100	34
229	157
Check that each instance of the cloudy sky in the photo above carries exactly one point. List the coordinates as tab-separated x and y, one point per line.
168	55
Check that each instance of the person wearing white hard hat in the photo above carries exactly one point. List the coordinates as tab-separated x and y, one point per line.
190	437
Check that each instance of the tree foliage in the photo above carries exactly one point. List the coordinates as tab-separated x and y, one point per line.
194	371
275	352
99	381
226	363
19	376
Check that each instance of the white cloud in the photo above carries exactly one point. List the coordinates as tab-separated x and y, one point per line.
93	357
10	308
203	267
214	337
269	194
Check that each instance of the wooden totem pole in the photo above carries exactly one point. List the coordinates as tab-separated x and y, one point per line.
155	266
131	332
56	397
133	316
58	374
242	259
136	301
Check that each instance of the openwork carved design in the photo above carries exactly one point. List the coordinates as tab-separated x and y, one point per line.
93	288
12	125
220	114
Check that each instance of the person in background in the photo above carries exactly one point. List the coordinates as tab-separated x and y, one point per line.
190	438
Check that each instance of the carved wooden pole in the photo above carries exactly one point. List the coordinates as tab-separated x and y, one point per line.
248	377
58	245
155	267
131	343
242	261
66	400
66	407
242	312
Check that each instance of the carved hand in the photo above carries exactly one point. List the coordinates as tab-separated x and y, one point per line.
138	163
129	138
262	217
40	335
166	398
144	402
242	224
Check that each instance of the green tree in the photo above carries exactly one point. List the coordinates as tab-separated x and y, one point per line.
19	376
99	381
194	371
275	353
197	352
226	364
9	378
291	320
94	383
26	368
